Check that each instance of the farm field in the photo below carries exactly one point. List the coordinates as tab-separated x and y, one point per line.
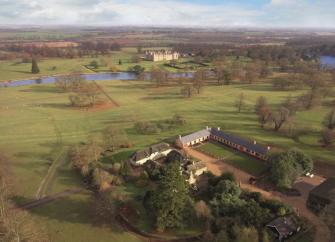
37	126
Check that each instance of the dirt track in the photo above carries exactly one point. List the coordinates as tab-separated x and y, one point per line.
299	203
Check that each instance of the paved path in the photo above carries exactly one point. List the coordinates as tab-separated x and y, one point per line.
299	203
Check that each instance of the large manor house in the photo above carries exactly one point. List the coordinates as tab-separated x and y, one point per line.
161	55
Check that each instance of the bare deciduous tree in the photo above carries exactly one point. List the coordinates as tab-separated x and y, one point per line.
16	224
280	117
240	102
264	115
187	91
199	79
327	137
329	121
260	103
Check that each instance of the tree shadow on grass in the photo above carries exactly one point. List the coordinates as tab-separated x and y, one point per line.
161	97
133	86
57	106
69	177
26	154
73	209
18	63
33	165
41	159
41	89
257	87
25	72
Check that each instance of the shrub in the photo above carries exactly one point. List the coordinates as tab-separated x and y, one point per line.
288	166
94	64
164	125
327	137
116	168
113	68
146	128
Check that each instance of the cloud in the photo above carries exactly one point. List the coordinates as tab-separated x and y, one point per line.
283	2
301	13
274	13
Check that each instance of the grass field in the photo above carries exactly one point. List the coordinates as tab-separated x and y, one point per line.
16	70
36	124
230	156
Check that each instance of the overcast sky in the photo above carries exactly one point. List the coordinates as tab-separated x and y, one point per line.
196	13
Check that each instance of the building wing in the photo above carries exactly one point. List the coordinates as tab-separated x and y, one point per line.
195	136
325	190
252	146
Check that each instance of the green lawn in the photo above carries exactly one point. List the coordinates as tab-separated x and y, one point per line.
35	122
230	156
251	165
216	150
15	70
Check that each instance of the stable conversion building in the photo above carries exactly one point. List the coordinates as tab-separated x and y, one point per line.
322	195
154	152
215	134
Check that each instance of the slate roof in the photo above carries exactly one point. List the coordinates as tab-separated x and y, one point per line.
260	149
142	154
284	226
325	189
194	136
176	155
159	147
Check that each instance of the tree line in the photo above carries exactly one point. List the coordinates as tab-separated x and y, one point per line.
85	48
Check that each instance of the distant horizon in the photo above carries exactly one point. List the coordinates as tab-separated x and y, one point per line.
46	26
251	14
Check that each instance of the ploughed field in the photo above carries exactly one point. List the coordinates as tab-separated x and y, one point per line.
37	126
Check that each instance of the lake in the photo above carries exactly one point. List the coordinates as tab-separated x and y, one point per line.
327	61
89	77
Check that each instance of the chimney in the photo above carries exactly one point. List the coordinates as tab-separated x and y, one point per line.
207	128
219	128
255	142
269	148
179	136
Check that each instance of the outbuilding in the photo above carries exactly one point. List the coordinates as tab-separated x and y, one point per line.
284	227
321	195
216	134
